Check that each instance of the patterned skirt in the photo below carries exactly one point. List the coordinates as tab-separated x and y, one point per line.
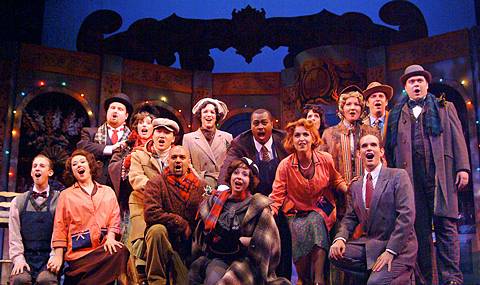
307	231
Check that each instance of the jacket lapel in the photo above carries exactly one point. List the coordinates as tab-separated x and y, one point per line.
380	187
202	143
217	144
155	163
358	200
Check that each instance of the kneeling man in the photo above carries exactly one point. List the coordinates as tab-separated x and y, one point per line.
383	203
170	207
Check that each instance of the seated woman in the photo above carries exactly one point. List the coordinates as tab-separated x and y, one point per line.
87	220
237	234
303	191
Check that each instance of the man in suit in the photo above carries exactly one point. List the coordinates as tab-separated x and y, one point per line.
112	134
383	203
377	96
425	137
263	144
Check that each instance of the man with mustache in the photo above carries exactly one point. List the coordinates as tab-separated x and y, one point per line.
171	203
263	144
424	136
112	134
146	163
383	203
377	96
33	212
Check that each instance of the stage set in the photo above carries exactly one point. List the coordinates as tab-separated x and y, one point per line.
47	95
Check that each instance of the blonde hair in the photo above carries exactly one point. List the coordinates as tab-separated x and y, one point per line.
343	99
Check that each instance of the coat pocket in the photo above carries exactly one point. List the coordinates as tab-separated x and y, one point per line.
81	240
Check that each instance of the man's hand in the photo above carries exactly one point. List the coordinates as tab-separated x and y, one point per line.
111	245
19	267
55	263
187	233
462	180
337	249
245	241
385	258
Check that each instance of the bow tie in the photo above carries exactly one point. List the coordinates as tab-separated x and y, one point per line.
414	103
36	195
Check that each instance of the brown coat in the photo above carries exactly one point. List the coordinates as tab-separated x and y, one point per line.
389	223
143	168
207	159
450	156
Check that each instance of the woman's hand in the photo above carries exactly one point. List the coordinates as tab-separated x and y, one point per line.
55	263
111	245
19	267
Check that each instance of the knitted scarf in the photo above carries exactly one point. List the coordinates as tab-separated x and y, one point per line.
218	200
102	133
431	123
183	184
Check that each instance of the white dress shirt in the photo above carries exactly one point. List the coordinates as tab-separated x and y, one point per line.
108	150
374	174
417	110
268	145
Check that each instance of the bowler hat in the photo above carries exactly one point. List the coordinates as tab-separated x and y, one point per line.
351	88
375	87
120	98
415	70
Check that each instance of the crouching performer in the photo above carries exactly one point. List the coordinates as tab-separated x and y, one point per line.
383	203
170	206
86	228
237	235
33	211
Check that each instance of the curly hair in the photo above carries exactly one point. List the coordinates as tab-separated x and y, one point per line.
308	125
316	109
343	99
95	166
254	180
198	115
138	117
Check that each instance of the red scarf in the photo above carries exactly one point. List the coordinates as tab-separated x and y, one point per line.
183	184
218	200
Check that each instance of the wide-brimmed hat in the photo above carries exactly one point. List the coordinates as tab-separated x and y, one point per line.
375	87
351	88
221	107
415	70
168	124
121	98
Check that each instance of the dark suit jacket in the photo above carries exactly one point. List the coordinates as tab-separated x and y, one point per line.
243	145
449	152
389	223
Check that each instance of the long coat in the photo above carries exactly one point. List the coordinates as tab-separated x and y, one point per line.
243	145
449	152
389	223
207	159
143	168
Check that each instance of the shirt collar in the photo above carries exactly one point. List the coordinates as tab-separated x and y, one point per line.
119	129
372	119
268	144
375	172
46	189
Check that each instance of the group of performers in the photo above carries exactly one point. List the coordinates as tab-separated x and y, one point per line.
364	194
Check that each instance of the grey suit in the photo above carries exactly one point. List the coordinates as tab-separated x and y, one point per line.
388	224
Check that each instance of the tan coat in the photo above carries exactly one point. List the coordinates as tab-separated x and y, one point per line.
207	160
143	168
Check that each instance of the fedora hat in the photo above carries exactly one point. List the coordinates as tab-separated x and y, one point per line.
415	70
375	87
120	98
221	107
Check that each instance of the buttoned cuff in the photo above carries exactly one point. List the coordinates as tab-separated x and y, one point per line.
391	251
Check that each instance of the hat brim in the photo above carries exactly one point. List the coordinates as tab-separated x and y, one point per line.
167	128
385	89
351	88
424	73
127	104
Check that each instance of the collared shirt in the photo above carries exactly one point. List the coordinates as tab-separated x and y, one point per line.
374	174
268	145
417	110
162	157
16	248
381	121
108	150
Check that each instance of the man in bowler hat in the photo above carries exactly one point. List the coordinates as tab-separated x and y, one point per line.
424	136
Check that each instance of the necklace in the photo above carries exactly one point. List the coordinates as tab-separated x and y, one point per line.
305	168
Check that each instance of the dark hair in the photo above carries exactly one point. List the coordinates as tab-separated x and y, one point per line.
95	166
50	163
308	125
236	164
261	111
139	117
316	109
198	115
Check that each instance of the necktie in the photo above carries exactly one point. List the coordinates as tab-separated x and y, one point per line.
265	154
36	195
114	137
377	123
368	190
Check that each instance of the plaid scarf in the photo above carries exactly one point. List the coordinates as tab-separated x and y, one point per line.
102	134
218	200
183	184
431	123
